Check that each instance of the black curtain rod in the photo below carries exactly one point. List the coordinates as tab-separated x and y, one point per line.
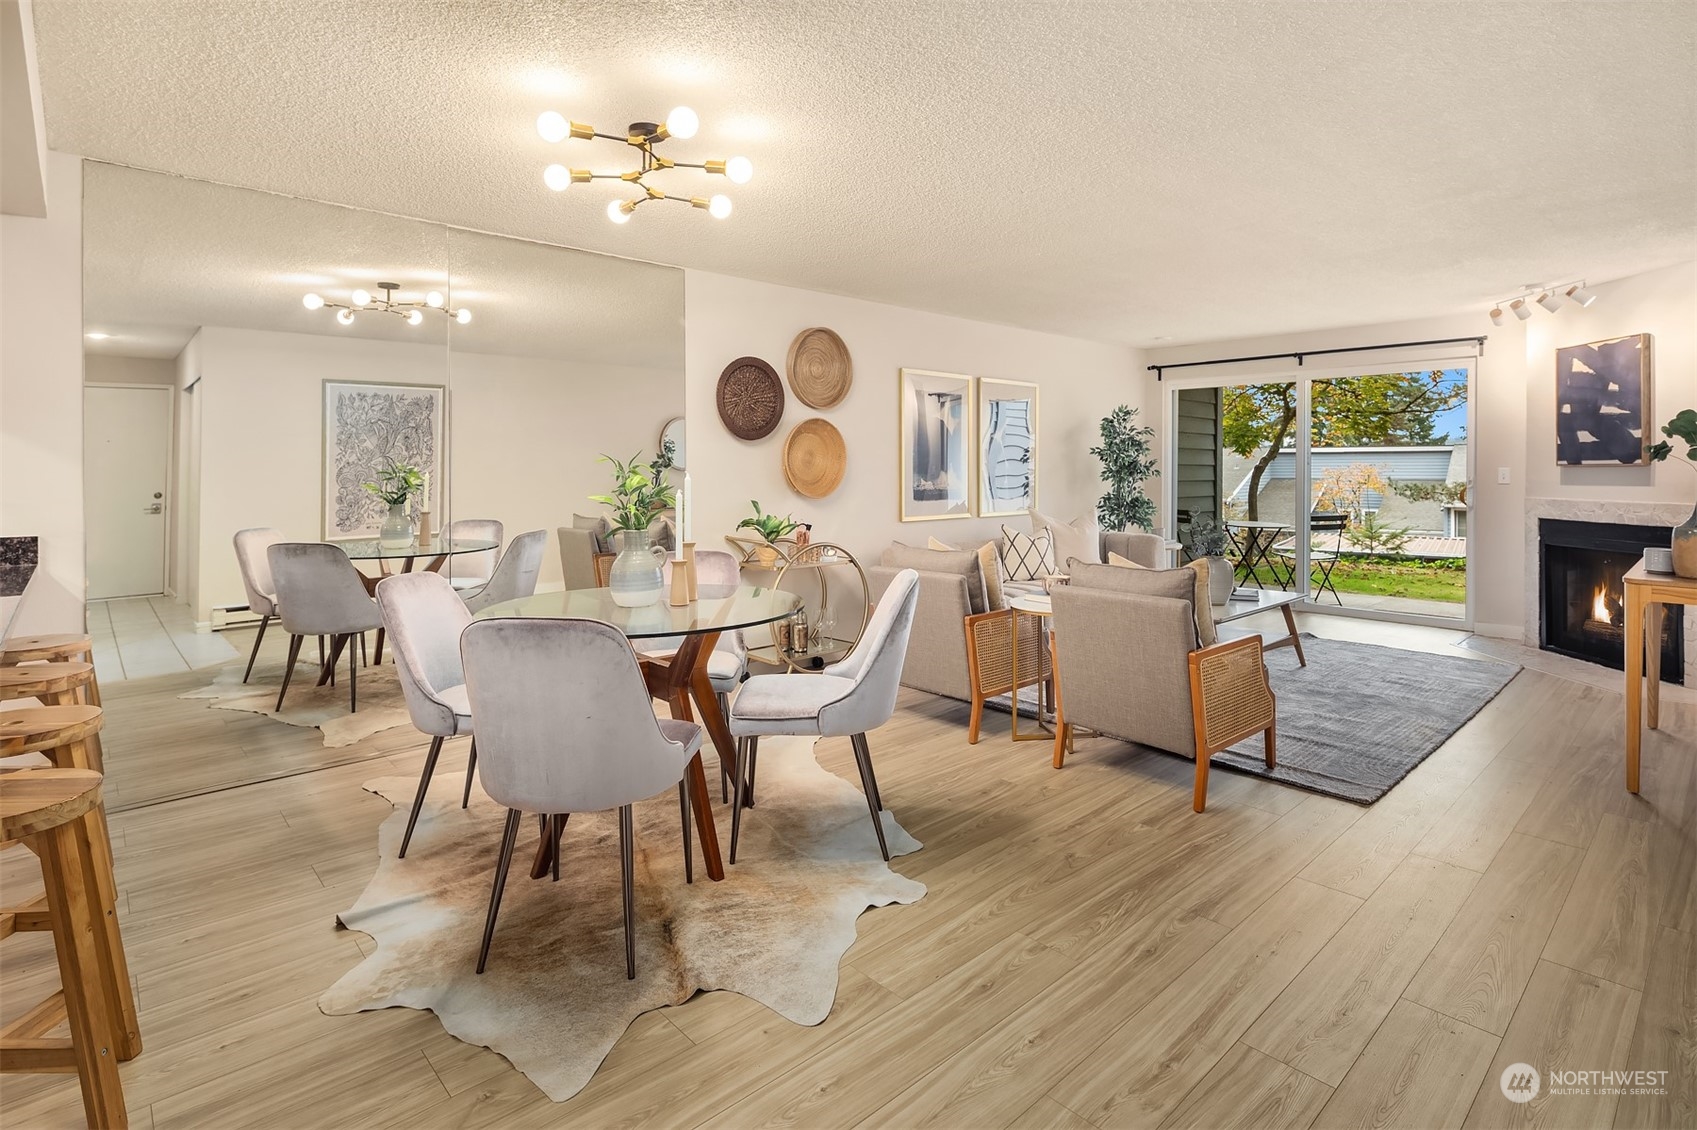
1478	341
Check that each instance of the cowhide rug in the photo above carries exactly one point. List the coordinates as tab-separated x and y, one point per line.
554	998
381	704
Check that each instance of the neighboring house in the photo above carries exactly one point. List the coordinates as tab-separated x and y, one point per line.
1427	465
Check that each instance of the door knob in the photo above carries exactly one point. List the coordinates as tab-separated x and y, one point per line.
156	508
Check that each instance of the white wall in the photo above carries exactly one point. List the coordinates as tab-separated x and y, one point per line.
726	318
1514	409
41	382
110	369
524	434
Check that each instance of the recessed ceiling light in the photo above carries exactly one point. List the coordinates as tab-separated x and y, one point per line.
97	336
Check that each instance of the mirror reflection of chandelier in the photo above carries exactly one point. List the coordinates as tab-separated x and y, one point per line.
681	123
363	301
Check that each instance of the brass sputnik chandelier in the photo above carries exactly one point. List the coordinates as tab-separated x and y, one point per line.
363	301
681	123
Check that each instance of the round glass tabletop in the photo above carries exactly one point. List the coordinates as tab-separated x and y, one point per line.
720	608
368	549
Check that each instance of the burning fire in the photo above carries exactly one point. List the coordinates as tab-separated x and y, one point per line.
1600	606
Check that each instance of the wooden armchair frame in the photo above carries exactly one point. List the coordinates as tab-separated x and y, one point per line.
990	661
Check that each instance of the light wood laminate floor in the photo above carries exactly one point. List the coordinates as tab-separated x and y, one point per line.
1091	952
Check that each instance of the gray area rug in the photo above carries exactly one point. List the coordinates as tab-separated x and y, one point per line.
554	998
1360	717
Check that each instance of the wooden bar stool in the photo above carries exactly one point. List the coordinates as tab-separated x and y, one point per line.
65	734
68	648
58	812
55	684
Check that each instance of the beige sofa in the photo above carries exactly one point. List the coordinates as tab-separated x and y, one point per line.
936	651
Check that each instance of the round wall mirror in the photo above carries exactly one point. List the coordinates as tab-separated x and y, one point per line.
673	433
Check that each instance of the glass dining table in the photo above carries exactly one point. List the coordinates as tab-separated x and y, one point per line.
438	549
679	678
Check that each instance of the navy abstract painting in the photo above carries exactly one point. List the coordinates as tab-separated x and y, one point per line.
1602	401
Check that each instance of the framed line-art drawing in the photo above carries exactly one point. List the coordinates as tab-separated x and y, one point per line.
1602	402
367	424
1007	447
937	445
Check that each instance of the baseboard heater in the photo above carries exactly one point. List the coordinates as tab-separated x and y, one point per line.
226	616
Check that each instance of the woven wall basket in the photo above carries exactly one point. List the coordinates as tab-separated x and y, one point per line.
819	368
815	458
750	398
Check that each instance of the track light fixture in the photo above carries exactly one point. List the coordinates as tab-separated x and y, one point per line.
1551	298
681	123
361	300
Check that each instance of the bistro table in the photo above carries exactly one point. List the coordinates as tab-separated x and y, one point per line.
676	678
1255	541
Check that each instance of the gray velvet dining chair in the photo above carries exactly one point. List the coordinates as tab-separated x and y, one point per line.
320	593
565	725
847	699
251	546
515	574
425	618
469	571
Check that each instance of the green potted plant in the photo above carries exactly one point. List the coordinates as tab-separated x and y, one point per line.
1682	427
396	483
1127	461
1209	540
771	527
640	494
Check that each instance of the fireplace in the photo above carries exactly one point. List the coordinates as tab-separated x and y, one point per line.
1582	595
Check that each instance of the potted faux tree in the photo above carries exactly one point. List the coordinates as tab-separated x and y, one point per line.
1209	540
640	495
396	483
1682	427
771	527
1127	461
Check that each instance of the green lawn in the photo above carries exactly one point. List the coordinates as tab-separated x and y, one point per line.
1391	578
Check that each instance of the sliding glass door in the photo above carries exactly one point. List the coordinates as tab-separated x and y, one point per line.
1349	487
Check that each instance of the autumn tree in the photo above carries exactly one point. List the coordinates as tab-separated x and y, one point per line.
1379	410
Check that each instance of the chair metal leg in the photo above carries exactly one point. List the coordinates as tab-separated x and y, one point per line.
254	654
627	862
738	779
423	787
508	837
689	854
327	670
724	778
864	758
470	769
557	830
353	675
753	760
289	668
364	659
866	752
321	661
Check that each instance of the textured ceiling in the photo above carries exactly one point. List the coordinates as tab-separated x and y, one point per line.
163	255
1125	171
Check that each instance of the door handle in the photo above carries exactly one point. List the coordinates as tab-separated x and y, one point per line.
156	508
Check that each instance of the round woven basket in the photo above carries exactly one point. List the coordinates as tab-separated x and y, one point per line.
815	458
750	398
819	368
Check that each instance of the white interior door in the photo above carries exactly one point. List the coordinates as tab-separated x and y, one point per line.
126	461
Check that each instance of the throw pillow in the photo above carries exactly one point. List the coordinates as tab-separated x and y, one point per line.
1186	584
1206	633
959	562
990	564
599	526
1081	539
1124	562
1027	557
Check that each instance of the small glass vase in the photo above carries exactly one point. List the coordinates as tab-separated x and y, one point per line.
397	532
1685	547
635	578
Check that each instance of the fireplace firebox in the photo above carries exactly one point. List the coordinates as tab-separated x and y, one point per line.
1583	595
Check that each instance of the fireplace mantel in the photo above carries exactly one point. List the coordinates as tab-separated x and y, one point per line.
1598	510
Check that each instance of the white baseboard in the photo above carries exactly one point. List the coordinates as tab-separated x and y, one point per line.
1500	631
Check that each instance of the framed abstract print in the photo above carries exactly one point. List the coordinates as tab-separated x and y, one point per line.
937	445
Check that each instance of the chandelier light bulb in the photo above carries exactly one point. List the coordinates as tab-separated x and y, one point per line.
434	300
1579	294
463	317
1550	300
739	169
1497	316
552	125
682	123
313	302
616	212
346	317
361	297
719	207
1520	309
415	317
557	177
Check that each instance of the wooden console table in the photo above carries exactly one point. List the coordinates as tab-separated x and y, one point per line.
1647	597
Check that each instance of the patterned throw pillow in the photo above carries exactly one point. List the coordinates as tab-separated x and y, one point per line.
1027	557
990	564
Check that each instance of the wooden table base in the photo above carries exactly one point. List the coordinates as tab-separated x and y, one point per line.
677	680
